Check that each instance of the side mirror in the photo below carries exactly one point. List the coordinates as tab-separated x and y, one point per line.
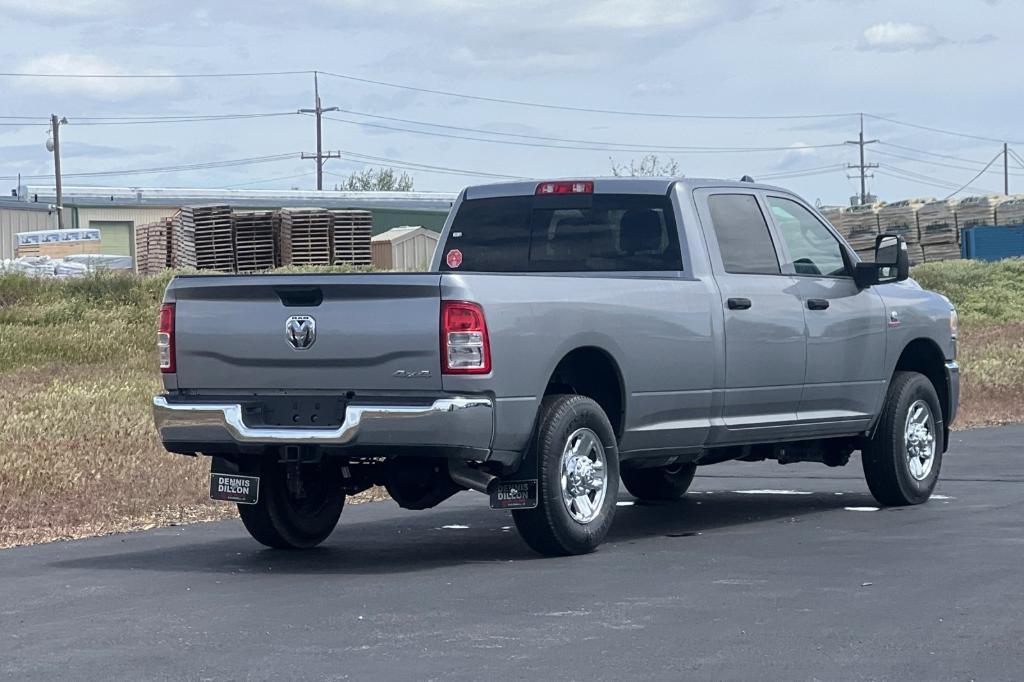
892	262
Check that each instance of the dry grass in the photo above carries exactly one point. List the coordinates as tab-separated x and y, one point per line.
992	375
79	457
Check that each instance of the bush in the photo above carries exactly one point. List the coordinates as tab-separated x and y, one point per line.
982	292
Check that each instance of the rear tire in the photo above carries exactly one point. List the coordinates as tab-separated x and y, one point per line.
578	478
663	484
903	458
283	520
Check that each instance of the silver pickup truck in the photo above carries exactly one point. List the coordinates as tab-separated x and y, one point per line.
568	336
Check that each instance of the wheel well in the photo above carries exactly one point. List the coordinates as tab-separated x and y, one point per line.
925	357
591	372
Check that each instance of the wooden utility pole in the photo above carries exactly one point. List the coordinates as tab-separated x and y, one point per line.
55	124
320	156
862	167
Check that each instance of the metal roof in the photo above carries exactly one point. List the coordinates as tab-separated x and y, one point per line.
13	204
250	198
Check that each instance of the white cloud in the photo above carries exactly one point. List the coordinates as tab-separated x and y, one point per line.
652	14
67	9
655	88
893	36
516	37
98	88
542	15
797	155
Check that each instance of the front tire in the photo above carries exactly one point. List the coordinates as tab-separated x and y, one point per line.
903	458
294	516
663	484
578	478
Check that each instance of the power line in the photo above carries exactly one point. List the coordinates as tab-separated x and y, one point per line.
897	176
500	100
128	120
940	130
236	74
570	141
933	163
929	153
980	173
679	150
1017	157
445	93
931	180
413	165
280	177
170	169
589	110
796	173
79	121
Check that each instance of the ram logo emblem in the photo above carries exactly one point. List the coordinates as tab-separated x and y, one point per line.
300	330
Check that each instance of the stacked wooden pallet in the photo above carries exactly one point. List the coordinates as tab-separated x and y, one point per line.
939	235
834	215
212	236
1011	211
141	248
860	225
255	240
900	217
977	211
153	246
305	236
946	251
183	250
203	239
937	222
351	237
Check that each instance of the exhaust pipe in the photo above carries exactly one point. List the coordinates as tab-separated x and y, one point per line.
472	479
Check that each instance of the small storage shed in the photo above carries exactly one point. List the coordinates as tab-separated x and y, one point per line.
406	248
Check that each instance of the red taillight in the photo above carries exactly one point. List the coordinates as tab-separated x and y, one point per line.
165	338
465	348
566	187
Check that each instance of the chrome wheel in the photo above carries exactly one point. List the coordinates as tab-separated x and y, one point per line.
583	475
919	437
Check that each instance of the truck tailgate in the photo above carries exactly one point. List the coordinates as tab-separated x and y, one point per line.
372	332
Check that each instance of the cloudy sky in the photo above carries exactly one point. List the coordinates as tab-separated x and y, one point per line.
948	65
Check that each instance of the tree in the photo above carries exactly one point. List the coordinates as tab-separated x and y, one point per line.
646	166
377	180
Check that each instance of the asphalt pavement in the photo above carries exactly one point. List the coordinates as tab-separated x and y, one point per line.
763	572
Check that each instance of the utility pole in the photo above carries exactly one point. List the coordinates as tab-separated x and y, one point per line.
1006	168
54	146
862	167
320	156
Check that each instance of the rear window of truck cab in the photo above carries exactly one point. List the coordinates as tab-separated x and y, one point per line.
585	233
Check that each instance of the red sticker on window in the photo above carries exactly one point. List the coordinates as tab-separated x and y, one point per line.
454	258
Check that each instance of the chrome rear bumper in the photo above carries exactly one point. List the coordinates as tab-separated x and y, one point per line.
452	422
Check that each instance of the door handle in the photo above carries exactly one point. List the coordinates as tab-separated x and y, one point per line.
817	304
738	303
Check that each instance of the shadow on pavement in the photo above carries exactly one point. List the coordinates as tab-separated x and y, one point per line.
420	542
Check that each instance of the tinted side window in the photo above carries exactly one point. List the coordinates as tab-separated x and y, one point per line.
813	249
742	234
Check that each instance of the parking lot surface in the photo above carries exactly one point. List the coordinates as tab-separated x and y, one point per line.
762	572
